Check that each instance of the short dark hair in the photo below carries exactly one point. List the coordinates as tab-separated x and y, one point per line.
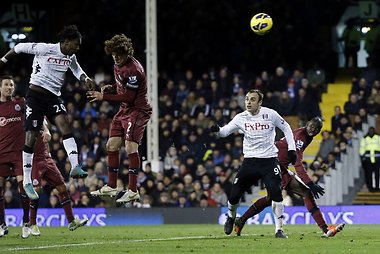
69	33
5	77
259	93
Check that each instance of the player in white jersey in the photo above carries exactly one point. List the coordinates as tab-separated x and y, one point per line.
258	124
50	63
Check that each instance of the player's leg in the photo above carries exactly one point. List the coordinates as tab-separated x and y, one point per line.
27	157
25	204
272	179
65	200
113	145
134	126
38	172
34	230
58	115
300	188
54	177
254	209
3	226
34	117
244	179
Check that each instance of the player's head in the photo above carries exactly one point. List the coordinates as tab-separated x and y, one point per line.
314	126
7	87
253	101
120	47
70	39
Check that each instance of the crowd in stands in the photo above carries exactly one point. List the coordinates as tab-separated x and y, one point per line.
197	168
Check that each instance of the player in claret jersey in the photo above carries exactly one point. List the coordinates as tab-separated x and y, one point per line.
11	144
45	168
130	121
299	183
258	125
50	64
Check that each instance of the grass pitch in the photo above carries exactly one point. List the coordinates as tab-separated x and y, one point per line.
192	239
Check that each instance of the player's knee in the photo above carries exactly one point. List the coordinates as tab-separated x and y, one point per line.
234	198
275	194
112	147
131	147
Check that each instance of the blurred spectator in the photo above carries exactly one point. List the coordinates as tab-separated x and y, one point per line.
201	106
351	37
9	201
279	81
370	157
326	146
335	119
217	196
352	106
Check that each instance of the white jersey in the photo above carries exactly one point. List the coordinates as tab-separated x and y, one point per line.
49	65
259	132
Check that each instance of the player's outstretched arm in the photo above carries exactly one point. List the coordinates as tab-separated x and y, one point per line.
9	55
215	128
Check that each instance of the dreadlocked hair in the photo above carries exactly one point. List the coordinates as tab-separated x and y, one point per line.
119	44
69	33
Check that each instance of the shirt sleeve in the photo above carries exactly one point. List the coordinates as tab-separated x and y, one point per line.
231	127
298	166
285	127
75	68
31	48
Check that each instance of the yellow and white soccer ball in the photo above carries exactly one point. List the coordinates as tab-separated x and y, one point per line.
261	23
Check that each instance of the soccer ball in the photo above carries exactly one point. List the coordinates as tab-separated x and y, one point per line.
261	23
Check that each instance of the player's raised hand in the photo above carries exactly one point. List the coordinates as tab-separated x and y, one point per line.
214	128
292	155
316	190
90	84
94	96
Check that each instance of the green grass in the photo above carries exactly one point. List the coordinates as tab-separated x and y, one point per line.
192	239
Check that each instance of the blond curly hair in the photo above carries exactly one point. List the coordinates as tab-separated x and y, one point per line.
119	44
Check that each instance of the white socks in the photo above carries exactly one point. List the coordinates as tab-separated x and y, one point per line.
232	210
278	211
71	150
27	159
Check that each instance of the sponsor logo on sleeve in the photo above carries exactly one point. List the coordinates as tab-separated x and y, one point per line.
132	82
299	144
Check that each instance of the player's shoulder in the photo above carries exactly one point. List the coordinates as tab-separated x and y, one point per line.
267	110
243	114
268	113
301	134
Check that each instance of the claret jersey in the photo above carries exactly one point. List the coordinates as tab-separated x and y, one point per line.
12	135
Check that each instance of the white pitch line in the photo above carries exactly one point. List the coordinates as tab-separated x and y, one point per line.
121	241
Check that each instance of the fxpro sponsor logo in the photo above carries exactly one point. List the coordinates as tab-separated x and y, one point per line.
4	121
